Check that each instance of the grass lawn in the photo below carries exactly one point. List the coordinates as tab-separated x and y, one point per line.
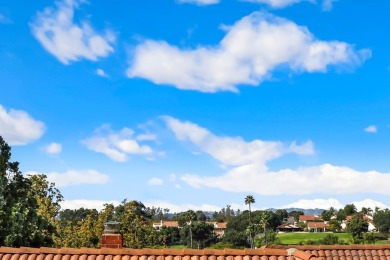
295	238
178	246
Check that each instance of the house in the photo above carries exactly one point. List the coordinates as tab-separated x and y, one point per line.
289	227
219	227
330	252
306	218
159	225
316	226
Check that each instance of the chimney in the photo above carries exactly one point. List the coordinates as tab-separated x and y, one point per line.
111	237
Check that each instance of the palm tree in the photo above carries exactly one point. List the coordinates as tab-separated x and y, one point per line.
190	216
248	201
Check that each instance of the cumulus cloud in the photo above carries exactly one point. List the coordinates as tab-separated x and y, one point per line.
17	127
369	203
155	182
199	2
251	50
75	177
68	41
304	180
53	148
314	203
234	151
249	172
116	145
87	204
327	203
371	129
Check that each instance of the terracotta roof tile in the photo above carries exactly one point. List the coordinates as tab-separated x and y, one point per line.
323	252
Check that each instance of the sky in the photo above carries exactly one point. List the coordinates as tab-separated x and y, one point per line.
195	104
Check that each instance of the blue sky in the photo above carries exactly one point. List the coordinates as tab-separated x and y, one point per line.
198	103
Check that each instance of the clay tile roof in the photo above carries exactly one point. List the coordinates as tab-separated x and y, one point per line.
25	253
322	252
316	224
307	217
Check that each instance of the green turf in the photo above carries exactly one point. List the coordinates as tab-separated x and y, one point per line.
296	238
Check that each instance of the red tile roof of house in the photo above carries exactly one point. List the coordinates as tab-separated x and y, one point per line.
316	224
306	217
339	252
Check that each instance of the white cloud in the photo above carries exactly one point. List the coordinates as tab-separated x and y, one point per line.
58	33
325	179
181	207
369	203
251	50
116	145
17	127
327	5
53	148
371	129
327	203
250	174
87	204
155	182
146	137
234	151
101	73
74	177
172	177
199	2
315	203
278	3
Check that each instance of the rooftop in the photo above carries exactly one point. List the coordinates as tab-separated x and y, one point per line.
339	252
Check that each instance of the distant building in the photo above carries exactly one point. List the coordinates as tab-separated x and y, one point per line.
316	226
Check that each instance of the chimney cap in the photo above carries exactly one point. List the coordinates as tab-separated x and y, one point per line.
111	227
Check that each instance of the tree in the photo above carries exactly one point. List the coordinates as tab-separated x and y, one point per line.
136	225
248	201
350	209
382	221
169	236
357	226
190	216
24	221
282	214
201	232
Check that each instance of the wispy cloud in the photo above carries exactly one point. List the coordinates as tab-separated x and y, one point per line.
155	181
278	3
53	148
327	5
252	49
68	41
234	151
101	73
17	127
116	145
74	177
371	129
199	2
4	19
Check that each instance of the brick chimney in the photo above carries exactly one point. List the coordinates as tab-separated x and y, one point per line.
111	237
